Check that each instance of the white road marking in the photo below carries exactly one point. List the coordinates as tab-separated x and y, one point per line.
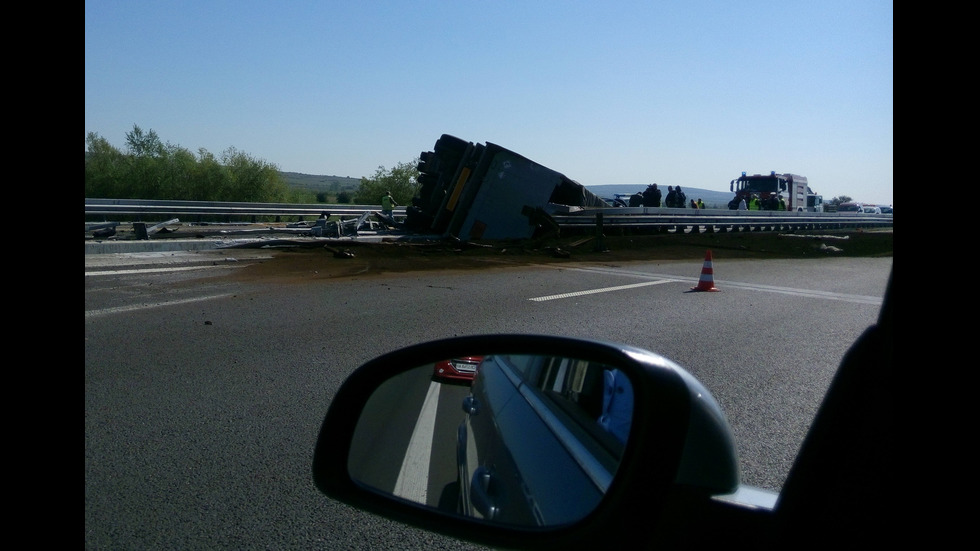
107	311
413	479
860	299
603	290
721	284
153	270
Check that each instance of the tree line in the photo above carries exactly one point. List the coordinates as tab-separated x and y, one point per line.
151	169
148	168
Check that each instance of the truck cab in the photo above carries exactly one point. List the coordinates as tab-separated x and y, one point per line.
792	188
814	202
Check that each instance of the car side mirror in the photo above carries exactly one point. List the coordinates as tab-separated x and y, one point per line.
525	441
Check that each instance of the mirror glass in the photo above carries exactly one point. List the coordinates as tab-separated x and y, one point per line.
514	439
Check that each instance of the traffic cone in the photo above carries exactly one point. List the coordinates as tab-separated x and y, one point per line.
707	281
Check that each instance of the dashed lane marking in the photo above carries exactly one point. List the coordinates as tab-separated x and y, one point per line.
132	308
603	290
153	270
721	284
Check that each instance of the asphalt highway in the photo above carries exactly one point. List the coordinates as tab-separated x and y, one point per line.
207	374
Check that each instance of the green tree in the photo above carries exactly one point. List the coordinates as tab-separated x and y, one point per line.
105	168
151	169
253	181
144	144
178	171
401	181
148	176
212	181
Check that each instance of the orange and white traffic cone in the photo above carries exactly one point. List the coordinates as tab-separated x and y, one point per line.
707	281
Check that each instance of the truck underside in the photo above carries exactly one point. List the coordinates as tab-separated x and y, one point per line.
484	191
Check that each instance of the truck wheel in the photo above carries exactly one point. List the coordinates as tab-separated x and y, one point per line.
451	145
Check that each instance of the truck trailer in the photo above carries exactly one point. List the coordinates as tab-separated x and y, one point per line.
478	191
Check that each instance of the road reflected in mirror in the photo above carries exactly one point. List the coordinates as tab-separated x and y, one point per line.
514	439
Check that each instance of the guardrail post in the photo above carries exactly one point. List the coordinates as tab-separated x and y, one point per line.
600	242
140	229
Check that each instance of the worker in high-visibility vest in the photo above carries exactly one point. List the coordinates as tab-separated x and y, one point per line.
387	204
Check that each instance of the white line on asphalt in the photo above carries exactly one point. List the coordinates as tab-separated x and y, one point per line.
860	299
413	479
107	311
603	290
721	284
153	270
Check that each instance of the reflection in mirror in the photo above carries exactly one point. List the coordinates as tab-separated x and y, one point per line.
525	440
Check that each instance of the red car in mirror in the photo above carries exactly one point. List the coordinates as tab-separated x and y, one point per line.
461	369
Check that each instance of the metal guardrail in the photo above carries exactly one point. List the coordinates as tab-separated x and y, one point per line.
572	219
105	207
711	220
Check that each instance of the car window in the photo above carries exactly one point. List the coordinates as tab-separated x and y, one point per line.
596	398
522	364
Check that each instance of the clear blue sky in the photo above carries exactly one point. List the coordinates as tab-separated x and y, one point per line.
686	93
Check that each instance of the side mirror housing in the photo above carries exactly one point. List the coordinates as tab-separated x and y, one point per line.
675	455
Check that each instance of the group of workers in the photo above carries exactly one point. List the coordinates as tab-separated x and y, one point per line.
676	198
773	202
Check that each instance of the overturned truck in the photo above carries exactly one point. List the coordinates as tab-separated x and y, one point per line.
474	191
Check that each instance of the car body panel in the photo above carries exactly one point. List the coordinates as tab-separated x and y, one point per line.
526	454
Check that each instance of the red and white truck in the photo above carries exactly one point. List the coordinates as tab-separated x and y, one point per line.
792	188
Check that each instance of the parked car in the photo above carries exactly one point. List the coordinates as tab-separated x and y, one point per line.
675	483
615	202
850	207
870	209
885	210
456	369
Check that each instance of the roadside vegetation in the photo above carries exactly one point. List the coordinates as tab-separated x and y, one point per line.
148	168
151	169
401	180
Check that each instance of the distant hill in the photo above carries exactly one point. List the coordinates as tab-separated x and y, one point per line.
712	199
334	184
319	183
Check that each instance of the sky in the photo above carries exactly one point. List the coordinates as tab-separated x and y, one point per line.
688	93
